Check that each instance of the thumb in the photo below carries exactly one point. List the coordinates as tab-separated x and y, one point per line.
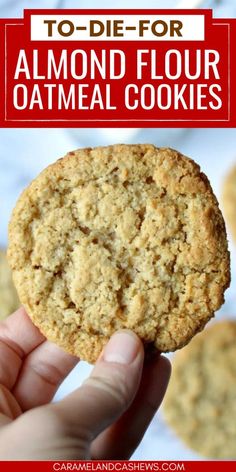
109	390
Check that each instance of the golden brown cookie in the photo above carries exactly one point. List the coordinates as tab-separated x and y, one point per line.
229	200
9	301
124	236
201	401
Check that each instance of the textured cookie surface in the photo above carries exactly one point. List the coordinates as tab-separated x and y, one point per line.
229	200
9	301
119	236
201	399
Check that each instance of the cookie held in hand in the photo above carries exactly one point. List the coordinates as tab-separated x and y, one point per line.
124	236
229	200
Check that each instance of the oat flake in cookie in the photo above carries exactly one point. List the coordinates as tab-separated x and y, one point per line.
125	236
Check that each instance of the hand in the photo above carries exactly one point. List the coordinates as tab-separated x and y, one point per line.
106	418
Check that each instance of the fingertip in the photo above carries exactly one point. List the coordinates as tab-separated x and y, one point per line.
157	373
163	371
165	364
15	314
123	348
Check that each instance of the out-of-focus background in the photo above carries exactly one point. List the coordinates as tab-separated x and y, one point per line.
25	152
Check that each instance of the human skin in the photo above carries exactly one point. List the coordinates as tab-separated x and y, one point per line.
105	418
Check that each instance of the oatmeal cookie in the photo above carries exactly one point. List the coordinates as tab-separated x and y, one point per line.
200	402
229	200
124	236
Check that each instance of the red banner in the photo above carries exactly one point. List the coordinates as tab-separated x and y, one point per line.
118	466
118	68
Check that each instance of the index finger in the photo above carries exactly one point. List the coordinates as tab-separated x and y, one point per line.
18	337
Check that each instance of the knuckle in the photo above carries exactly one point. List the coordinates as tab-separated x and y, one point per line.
116	386
46	371
50	417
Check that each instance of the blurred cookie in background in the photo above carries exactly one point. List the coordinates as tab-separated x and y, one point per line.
229	200
9	301
200	403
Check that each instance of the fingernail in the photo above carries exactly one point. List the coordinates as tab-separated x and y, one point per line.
122	348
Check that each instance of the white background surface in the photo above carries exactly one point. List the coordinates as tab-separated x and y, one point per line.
23	153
